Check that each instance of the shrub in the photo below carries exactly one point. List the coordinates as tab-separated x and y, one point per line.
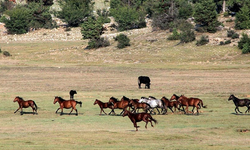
74	12
92	28
97	43
187	36
246	48
5	53
103	15
232	34
245	39
204	40
18	21
123	41
174	36
227	41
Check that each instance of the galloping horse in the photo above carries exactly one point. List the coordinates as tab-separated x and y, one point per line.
66	104
170	104
240	103
146	117
25	104
153	103
103	105
195	102
138	105
123	104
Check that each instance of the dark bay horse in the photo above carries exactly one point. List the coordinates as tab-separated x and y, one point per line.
25	104
138	105
195	102
72	93
170	104
240	103
103	105
123	104
66	104
137	117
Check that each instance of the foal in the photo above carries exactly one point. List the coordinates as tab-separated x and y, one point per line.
146	117
25	104
104	105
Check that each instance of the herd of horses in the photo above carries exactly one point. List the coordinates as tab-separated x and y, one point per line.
131	107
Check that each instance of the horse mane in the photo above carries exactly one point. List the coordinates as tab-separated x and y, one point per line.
115	99
60	98
20	97
125	98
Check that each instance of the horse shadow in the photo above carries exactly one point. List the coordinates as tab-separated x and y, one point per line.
240	114
22	113
67	114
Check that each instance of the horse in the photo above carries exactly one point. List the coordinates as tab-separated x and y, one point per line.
67	104
72	93
170	104
25	104
123	104
240	103
103	105
138	105
153	103
146	117
195	102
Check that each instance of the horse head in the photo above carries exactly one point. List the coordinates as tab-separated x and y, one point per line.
231	97
56	99
125	113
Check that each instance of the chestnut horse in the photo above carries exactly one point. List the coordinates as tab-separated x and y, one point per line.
103	105
66	104
240	103
123	104
195	102
137	117
25	104
170	104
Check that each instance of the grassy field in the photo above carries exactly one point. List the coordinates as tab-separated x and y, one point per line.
40	71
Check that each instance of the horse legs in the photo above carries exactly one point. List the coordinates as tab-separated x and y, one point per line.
17	109
57	110
102	111
237	108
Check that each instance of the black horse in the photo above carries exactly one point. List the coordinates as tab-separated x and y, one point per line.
72	93
145	80
240	103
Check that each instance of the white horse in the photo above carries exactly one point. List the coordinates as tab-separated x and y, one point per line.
153	103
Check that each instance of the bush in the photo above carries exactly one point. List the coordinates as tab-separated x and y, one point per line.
232	34
204	40
128	18
103	15
18	21
92	29
123	41
245	39
74	12
187	36
174	36
5	53
227	41
246	48
97	43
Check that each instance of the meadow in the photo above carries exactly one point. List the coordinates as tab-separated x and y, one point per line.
42	70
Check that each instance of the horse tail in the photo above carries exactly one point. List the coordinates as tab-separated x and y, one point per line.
35	105
79	103
202	104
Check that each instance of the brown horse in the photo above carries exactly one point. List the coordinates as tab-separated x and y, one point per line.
103	105
195	102
123	104
146	117
25	104
66	104
138	105
170	104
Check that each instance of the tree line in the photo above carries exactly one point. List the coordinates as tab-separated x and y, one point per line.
129	14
